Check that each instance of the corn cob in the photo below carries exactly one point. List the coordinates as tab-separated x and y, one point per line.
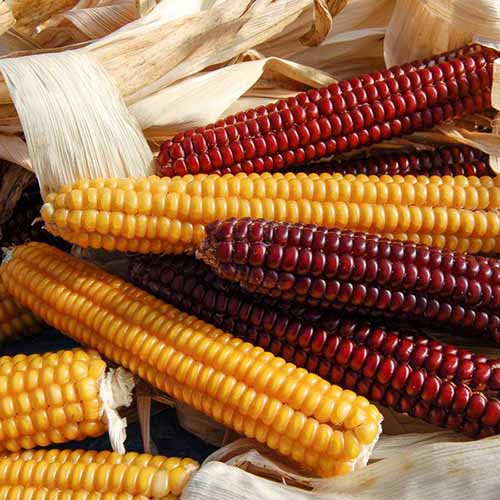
93	472
152	215
303	417
434	381
456	160
15	320
21	227
33	492
301	335
50	398
335	119
333	268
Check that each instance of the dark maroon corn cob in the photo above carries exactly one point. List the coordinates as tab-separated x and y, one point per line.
405	372
358	272
342	117
20	227
450	160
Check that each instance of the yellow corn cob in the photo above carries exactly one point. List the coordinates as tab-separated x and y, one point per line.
50	398
40	493
321	426
133	474
168	215
15	320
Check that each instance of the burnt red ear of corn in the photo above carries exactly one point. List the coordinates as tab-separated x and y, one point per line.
443	385
449	160
342	117
356	271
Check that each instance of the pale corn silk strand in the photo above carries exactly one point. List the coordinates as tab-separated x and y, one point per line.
74	119
115	391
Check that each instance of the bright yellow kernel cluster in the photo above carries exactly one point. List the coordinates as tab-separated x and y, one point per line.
39	493
169	214
321	426
15	320
50	398
131	474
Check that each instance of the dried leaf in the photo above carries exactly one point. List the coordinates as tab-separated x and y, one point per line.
347	54
74	120
324	12
13	41
178	106
15	150
85	24
427	27
439	465
30	14
159	53
143	7
357	16
7	19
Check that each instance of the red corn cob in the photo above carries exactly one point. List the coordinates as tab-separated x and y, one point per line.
357	271
343	88
405	372
455	160
342	117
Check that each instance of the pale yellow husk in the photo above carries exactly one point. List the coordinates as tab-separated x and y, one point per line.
31	13
425	27
7	19
413	466
74	119
85	22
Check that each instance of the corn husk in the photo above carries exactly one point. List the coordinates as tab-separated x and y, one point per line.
31	13
73	115
7	19
427	27
159	49
87	21
13	41
408	467
170	111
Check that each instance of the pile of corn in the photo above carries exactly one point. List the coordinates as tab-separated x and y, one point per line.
318	272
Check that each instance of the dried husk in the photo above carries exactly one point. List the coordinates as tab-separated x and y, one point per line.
13	41
172	111
324	12
426	27
439	465
31	13
85	22
7	19
75	122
